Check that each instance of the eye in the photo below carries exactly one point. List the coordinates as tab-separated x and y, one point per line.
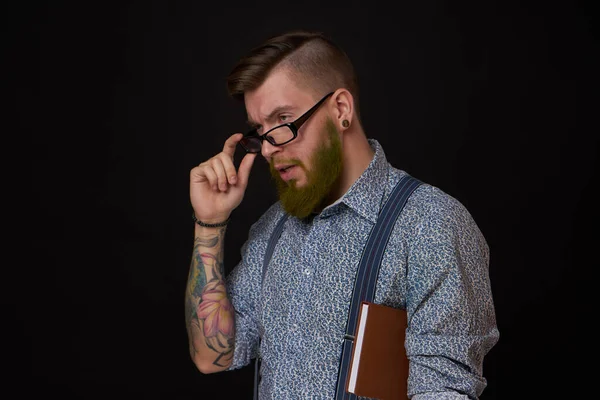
284	118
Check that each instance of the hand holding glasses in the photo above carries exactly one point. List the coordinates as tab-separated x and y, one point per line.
216	188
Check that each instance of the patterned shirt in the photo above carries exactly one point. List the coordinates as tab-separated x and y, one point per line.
435	266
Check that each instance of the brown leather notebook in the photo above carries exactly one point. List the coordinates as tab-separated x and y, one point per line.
378	364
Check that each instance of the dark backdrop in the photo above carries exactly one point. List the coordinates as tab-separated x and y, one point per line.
494	102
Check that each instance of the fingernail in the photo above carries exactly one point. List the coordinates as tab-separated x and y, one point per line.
232	178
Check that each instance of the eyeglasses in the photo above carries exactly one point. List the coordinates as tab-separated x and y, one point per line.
279	135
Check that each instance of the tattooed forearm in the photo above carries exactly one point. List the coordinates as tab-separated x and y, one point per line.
209	313
206	242
216	314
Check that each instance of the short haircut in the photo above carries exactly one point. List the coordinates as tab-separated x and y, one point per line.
313	60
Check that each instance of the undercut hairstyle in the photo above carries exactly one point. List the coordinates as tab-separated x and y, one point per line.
313	61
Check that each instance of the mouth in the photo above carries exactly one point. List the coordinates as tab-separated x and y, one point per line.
285	171
283	168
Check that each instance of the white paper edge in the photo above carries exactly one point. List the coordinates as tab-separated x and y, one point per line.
359	340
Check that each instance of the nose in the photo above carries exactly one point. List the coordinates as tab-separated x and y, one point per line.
267	149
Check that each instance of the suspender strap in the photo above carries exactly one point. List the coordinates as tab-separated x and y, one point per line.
368	272
272	242
368	269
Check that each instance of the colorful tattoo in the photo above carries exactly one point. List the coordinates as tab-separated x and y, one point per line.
208	309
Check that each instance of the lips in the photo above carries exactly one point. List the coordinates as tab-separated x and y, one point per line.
285	171
282	167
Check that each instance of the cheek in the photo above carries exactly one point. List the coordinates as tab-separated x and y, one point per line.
312	142
309	141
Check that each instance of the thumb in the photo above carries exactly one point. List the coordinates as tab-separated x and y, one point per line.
245	167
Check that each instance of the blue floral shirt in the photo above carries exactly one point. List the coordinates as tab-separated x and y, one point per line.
435	266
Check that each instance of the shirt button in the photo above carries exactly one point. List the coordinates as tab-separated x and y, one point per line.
307	271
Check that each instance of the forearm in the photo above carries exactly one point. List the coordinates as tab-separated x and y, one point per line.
208	311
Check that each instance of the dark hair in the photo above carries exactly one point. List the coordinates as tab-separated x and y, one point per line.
314	62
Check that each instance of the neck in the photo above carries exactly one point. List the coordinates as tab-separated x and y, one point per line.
358	154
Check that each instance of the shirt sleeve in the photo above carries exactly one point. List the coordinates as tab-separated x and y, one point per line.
240	286
452	323
244	286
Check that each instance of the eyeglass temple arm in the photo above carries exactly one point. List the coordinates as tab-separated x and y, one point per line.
298	123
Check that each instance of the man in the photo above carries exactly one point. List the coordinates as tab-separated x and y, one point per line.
301	96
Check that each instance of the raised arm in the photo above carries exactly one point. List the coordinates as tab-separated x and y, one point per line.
216	189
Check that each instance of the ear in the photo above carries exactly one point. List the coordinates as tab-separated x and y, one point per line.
343	109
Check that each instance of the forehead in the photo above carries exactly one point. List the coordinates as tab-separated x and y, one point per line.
278	90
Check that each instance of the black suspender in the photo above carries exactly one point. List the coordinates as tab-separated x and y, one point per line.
368	272
366	276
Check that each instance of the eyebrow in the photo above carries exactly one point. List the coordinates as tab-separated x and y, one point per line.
272	114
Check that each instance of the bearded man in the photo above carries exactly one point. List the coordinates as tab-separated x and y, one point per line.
301	96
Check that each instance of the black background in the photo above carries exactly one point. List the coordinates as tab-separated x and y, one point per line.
494	102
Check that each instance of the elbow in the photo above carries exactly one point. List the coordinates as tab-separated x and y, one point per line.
206	366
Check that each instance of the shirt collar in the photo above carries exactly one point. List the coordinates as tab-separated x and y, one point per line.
365	196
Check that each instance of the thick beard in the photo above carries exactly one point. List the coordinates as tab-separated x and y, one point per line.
325	169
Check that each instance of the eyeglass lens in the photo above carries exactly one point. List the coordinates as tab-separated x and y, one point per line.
277	136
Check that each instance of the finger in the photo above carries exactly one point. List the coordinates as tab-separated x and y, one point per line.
230	172
245	167
231	143
219	169
210	175
197	174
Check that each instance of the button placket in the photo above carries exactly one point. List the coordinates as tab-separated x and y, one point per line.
310	247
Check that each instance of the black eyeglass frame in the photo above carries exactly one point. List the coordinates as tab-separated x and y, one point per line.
294	126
